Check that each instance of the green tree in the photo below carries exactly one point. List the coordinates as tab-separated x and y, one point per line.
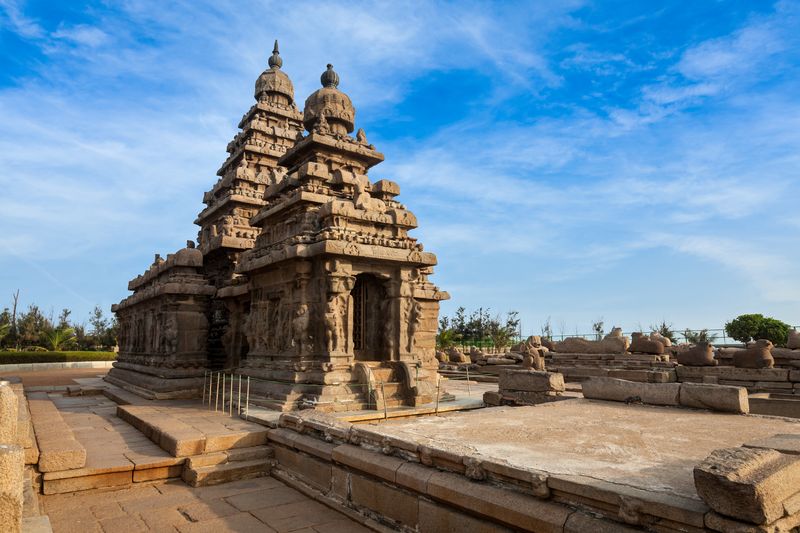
446	336
57	338
774	330
503	330
4	331
32	326
598	326
665	330
697	337
744	328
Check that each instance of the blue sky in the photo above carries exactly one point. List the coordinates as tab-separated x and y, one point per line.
635	161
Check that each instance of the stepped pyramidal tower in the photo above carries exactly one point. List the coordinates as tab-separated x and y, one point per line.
305	278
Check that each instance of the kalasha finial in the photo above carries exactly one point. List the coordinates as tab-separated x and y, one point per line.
329	78
275	60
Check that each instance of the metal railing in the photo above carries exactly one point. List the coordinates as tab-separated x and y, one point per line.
224	386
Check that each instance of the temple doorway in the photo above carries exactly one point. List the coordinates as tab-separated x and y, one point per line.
368	297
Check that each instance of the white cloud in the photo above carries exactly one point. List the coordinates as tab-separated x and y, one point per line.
82	34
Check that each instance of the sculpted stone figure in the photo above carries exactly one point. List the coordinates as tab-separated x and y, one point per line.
363	200
701	354
456	356
300	328
643	344
415	317
334	323
793	342
759	355
656	336
532	359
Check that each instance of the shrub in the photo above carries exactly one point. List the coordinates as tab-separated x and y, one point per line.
14	357
774	330
744	328
698	337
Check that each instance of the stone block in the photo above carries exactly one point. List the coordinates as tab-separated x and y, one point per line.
313	471
159	472
340	483
9	414
99	481
61	455
753	374
492	398
749	484
380	498
620	390
497	504
579	522
12	467
715	397
434	517
413	476
531	381
376	464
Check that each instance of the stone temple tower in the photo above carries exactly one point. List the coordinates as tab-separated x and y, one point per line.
268	129
339	297
305	277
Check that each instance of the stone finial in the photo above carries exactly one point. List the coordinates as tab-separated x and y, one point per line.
329	78
275	60
190	244
332	103
273	85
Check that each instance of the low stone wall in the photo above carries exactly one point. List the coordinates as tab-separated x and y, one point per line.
434	486
635	367
722	398
776	380
37	367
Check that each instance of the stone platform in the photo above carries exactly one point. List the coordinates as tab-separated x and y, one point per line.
576	465
116	454
642	447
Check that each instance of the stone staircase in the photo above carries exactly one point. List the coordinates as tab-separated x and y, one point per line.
228	465
385	389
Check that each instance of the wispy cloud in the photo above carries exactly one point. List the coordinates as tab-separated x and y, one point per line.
110	140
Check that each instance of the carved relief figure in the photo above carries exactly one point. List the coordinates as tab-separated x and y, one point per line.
334	322
300	328
415	317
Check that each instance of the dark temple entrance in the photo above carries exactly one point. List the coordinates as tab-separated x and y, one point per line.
368	297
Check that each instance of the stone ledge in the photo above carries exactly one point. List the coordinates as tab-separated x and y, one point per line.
58	448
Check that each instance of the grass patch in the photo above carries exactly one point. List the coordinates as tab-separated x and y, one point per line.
13	358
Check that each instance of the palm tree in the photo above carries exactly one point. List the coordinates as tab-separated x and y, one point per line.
58	337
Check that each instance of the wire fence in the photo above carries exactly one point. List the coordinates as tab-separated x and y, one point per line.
717	336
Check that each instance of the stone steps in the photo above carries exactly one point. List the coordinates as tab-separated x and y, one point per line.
183	440
230	465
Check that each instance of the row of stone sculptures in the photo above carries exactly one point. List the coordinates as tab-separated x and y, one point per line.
530	353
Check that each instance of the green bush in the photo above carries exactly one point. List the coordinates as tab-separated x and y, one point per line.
744	328
774	330
11	357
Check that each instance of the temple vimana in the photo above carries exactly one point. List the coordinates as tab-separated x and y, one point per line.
304	274
281	373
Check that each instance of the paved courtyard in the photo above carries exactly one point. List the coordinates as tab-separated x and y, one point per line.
262	504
